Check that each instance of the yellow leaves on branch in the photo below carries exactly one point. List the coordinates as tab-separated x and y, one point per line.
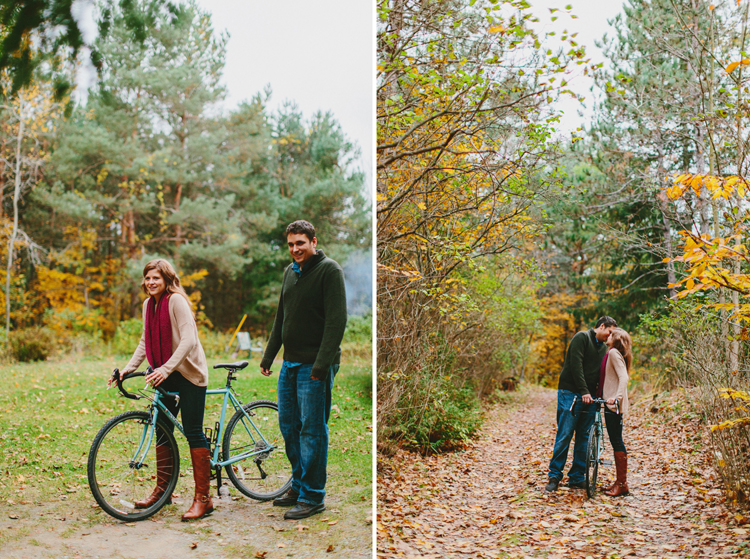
733	66
716	187
741	401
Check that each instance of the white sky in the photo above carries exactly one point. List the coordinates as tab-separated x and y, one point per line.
591	25
319	54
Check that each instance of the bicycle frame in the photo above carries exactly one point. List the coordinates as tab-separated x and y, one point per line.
158	406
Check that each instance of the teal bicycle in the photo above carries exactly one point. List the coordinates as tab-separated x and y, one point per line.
595	448
124	456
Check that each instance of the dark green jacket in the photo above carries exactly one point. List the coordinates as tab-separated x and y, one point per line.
583	361
311	317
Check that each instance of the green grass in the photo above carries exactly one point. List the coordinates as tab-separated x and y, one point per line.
51	411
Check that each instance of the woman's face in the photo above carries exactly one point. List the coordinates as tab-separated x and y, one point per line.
610	341
155	284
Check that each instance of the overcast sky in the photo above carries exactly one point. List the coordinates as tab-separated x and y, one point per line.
591	25
319	54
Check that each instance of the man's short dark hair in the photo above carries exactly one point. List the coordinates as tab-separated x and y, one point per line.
301	227
607	321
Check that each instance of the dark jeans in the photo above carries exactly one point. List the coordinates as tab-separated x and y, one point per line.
192	406
614	430
304	408
578	423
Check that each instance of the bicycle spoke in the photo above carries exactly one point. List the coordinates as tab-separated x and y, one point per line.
266	473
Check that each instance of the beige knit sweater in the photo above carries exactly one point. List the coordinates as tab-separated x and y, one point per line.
187	353
616	381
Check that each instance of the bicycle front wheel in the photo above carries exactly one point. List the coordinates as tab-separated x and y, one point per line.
592	461
266	474
124	466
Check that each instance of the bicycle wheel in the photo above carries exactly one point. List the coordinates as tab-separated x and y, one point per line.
592	461
119	473
266	475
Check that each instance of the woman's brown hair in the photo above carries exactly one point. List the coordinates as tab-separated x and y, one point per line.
171	279
621	342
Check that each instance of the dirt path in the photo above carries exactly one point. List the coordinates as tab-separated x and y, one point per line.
489	502
237	528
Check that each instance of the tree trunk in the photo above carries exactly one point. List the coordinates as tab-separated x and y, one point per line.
14	234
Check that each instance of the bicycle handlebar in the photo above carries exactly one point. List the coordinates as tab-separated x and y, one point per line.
126	376
598	401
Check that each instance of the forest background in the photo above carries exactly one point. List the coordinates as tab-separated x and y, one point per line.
152	165
498	237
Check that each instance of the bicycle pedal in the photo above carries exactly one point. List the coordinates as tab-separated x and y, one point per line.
606	462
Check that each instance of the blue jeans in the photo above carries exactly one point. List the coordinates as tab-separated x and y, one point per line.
578	423
304	408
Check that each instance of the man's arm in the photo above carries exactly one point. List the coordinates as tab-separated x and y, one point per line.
577	349
334	304
274	341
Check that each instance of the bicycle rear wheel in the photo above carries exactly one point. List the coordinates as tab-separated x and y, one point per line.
118	472
265	475
592	460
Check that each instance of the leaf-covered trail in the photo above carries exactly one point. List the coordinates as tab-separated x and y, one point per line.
488	501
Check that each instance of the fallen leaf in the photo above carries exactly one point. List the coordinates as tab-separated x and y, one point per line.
280	545
260	554
330	548
332	522
193	545
302	528
13	516
571	518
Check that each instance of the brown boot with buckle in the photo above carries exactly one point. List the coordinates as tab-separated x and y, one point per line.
621	484
202	504
163	475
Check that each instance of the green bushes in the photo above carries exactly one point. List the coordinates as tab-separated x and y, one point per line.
127	336
32	344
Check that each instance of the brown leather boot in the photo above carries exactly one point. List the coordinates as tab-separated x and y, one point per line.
163	475
621	484
202	504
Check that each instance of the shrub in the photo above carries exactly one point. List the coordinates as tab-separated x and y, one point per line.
438	418
127	336
32	344
359	329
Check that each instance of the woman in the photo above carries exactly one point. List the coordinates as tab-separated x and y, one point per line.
614	386
170	342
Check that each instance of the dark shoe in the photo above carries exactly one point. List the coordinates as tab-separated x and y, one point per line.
577	484
288	499
303	510
163	475
552	485
202	504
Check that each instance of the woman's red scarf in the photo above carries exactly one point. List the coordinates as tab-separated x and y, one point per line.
602	374
158	331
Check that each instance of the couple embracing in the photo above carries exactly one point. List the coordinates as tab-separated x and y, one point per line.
596	364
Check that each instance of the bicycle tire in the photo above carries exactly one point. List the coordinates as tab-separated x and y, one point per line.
592	461
114	482
274	472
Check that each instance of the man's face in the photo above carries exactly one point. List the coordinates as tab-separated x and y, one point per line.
603	332
301	247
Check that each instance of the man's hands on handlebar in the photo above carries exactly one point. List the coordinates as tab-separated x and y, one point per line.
587	399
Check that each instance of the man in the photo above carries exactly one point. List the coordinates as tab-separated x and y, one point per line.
310	323
578	381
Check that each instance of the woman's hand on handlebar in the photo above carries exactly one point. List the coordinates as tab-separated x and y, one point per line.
611	401
112	377
156	377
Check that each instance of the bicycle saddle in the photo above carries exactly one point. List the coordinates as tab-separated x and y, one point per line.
237	365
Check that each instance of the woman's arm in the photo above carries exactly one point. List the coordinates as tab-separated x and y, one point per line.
182	316
621	370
